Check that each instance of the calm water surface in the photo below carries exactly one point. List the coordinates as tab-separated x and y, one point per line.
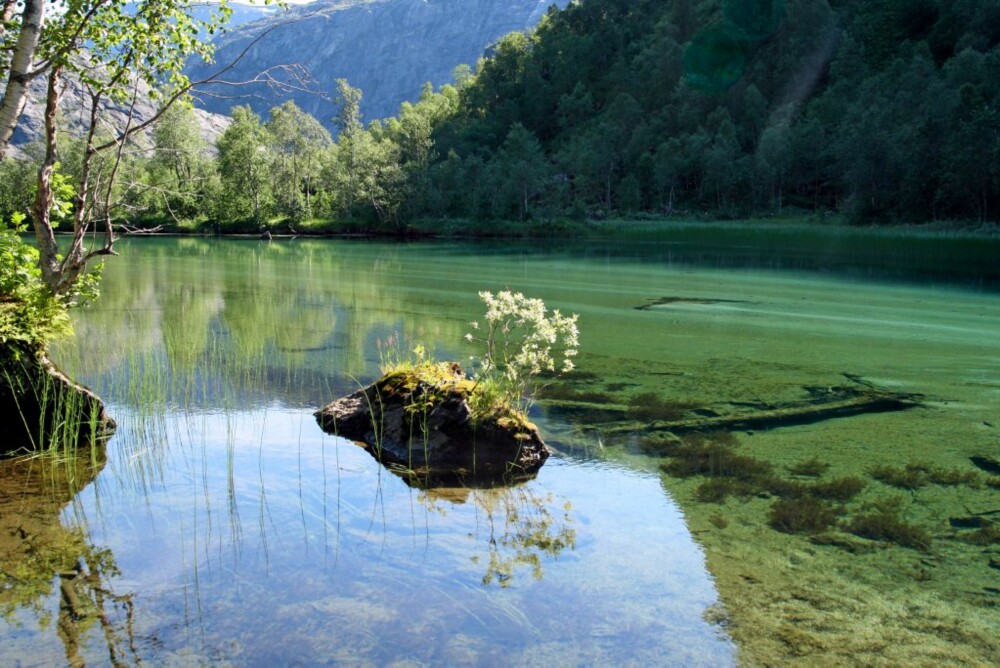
227	528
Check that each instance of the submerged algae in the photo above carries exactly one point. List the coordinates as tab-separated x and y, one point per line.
837	567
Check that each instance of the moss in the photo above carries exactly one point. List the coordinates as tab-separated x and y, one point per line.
804	514
812	468
993	482
884	523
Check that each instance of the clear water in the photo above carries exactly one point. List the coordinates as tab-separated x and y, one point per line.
239	533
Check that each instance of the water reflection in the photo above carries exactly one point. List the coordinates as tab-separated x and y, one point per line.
222	492
522	529
41	558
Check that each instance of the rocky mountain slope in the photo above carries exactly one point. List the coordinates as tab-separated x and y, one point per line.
73	115
387	48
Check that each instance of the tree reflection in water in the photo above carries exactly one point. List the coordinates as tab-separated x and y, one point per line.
521	528
37	550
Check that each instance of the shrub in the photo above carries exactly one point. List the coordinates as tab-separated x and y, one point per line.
29	314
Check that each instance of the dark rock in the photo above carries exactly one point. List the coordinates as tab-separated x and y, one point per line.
40	406
968	522
420	421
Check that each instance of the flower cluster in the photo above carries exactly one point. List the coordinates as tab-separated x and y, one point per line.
521	339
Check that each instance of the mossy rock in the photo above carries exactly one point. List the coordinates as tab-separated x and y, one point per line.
42	409
419	422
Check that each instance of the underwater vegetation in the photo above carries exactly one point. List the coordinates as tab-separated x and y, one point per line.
651	406
810	468
808	507
915	476
802	514
882	522
566	392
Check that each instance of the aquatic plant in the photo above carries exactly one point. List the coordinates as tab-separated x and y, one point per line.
883	522
811	468
802	514
521	340
565	392
662	444
714	455
651	406
942	476
717	490
915	476
839	489
912	476
988	534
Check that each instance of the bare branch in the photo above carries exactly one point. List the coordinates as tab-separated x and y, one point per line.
185	90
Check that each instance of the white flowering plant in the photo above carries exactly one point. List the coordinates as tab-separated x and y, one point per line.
521	339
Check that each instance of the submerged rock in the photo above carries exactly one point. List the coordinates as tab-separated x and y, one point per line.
420	420
41	408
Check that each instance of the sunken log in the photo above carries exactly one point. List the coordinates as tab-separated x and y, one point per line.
822	404
420	421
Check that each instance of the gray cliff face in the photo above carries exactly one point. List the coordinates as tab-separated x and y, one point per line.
74	116
387	48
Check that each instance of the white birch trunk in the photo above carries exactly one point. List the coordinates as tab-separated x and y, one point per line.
16	92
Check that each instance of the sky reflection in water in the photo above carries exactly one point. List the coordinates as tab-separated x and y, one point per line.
245	535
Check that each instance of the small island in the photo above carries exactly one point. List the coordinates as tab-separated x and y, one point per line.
435	425
423	420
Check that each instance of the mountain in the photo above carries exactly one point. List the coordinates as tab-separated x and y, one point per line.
387	48
74	117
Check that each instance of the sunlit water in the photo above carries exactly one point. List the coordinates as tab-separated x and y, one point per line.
240	533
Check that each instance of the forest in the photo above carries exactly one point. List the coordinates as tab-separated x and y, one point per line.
877	111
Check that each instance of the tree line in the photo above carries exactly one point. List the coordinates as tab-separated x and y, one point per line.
884	111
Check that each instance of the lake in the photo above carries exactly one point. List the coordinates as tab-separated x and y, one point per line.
226	528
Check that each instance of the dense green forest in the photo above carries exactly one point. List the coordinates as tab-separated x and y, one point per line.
880	110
